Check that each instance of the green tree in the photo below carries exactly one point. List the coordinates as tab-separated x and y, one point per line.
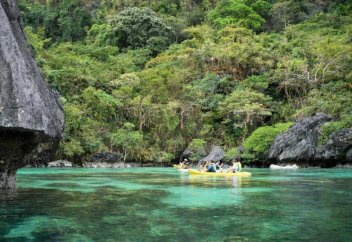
101	106
236	13
101	35
197	148
62	20
81	133
139	28
127	139
258	143
72	148
262	7
245	109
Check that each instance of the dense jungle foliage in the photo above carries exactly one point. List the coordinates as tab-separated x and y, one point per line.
150	78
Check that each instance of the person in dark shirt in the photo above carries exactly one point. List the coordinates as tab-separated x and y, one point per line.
218	166
211	167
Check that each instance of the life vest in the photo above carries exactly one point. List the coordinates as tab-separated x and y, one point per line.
211	168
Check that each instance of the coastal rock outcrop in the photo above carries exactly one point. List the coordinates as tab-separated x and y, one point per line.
338	148
349	156
107	157
30	113
186	153
193	155
216	154
300	144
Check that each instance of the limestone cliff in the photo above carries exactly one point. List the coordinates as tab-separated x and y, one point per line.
30	112
300	144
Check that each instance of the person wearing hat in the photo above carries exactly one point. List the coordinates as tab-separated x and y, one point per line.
186	163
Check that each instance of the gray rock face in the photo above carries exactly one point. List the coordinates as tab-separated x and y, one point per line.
338	147
349	155
216	154
299	142
186	153
42	154
107	157
26	102
192	155
30	112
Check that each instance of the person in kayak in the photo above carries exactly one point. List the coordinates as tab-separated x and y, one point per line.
235	166
218	166
203	166
211	167
239	166
186	163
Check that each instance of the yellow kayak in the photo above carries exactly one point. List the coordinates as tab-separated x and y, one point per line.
241	174
179	166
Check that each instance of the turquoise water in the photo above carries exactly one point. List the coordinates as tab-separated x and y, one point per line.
161	204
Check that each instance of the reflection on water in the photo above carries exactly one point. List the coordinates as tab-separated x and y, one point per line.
159	204
8	195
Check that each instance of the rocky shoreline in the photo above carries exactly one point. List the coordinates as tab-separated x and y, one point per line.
68	164
298	146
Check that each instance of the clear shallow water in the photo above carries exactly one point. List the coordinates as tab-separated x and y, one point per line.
161	204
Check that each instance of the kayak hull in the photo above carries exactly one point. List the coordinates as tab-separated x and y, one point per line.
226	174
178	166
183	170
